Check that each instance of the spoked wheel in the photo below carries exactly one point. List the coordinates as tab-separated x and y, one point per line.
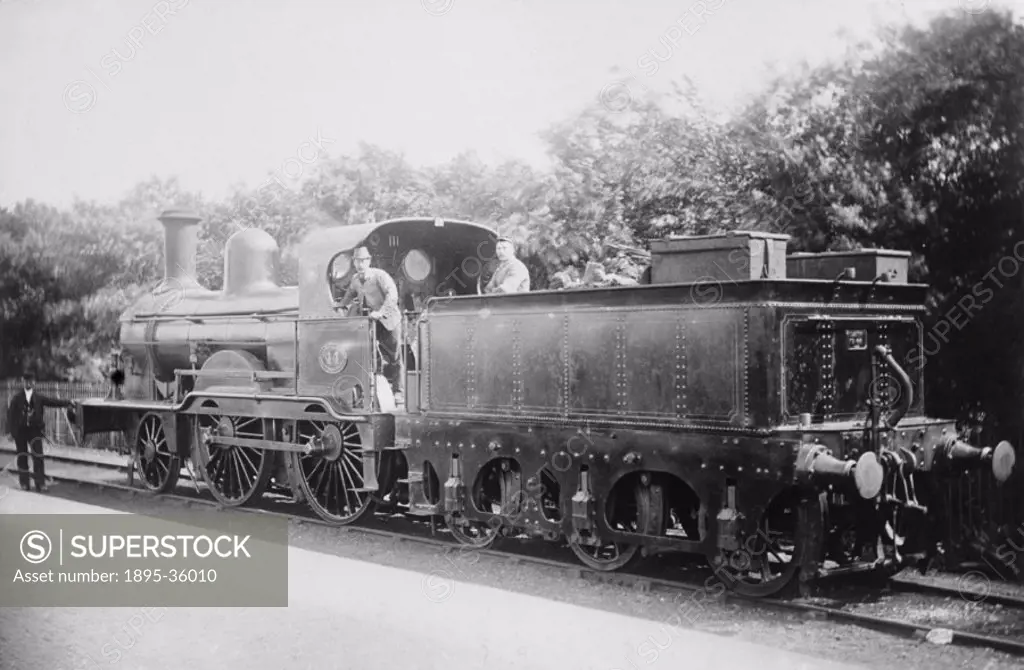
499	495
769	560
331	478
235	474
156	463
630	513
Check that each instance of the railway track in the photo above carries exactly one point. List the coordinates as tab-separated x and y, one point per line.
415	533
1004	600
68	460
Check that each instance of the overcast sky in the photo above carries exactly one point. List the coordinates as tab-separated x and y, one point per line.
98	95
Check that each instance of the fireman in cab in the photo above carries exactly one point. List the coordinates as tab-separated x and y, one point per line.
373	290
511	275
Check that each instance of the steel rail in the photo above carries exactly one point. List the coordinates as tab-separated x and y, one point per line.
71	460
1006	600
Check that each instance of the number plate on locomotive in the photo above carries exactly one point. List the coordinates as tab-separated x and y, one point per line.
856	340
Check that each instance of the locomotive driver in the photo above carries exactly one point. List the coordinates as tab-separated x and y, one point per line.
374	289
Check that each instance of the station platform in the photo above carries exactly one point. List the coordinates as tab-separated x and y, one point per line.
346	614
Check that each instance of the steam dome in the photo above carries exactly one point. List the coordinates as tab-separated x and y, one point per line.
251	259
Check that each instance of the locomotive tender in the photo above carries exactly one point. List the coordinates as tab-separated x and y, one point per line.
739	404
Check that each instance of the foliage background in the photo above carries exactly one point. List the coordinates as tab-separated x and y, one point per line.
912	141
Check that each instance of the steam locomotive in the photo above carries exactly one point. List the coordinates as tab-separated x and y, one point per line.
747	406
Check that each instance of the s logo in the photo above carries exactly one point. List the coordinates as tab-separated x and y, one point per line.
36	546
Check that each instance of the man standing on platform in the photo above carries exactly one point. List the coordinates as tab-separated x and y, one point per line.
375	290
511	275
26	424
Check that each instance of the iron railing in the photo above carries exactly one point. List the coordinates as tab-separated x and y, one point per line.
57	425
983	521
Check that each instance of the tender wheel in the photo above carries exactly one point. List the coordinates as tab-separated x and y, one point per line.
478	534
628	513
331	479
499	495
768	561
235	475
157	465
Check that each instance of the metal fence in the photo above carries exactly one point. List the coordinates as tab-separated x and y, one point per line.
984	521
57	425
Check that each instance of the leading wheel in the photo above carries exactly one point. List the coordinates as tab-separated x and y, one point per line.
630	513
331	478
158	466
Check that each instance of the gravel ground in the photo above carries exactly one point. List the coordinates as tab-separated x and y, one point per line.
933	610
444	570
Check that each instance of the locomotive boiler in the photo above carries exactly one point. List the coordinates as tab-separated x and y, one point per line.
761	410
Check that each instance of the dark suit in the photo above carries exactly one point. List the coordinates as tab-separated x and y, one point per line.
25	421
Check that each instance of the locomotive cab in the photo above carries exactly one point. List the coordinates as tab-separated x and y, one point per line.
339	354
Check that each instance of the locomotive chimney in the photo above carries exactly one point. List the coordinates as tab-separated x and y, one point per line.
181	234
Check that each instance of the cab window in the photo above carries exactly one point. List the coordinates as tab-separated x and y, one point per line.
339	275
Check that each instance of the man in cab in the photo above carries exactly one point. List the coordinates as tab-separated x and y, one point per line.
372	291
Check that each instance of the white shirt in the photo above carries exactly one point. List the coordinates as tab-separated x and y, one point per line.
28	395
